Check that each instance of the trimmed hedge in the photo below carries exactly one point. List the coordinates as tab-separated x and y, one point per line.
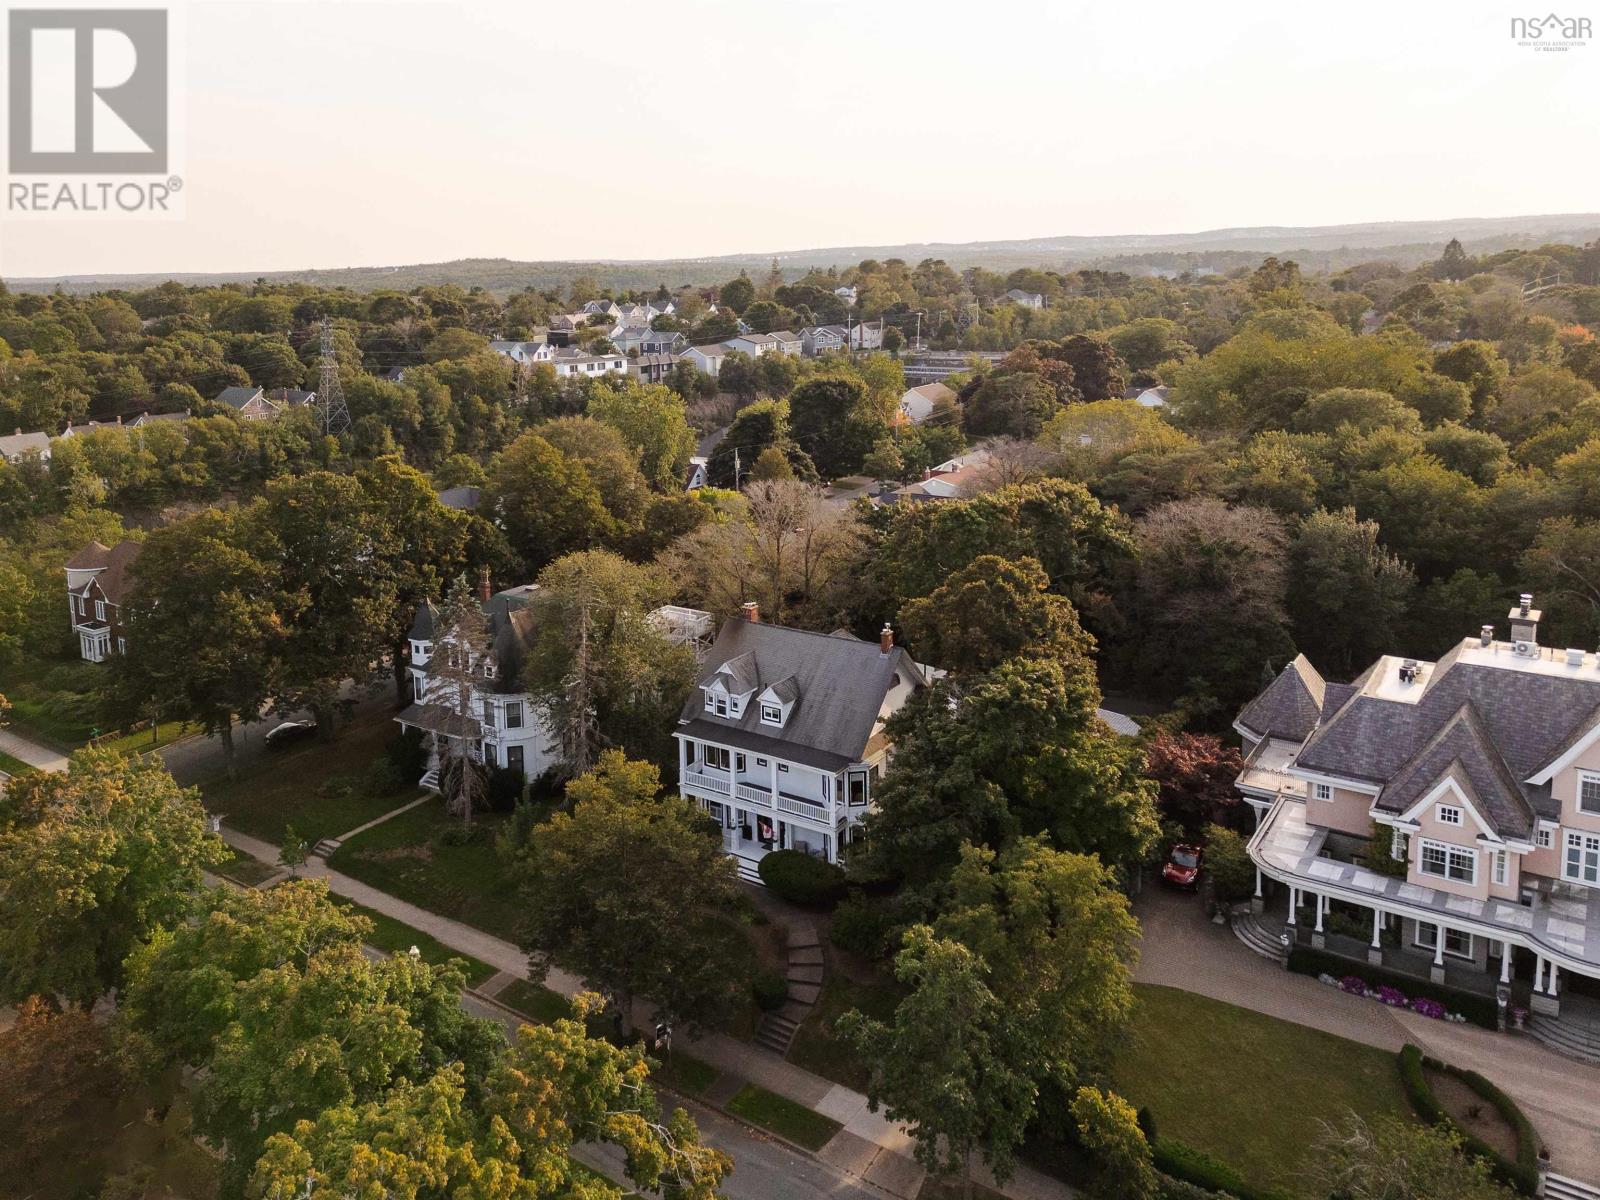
1168	1188
1480	1010
1188	1165
1521	1174
801	879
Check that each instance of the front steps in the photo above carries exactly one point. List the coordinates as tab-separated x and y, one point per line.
1250	930
804	975
325	848
1559	1187
1567	1038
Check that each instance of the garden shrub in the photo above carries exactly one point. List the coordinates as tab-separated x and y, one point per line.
1521	1173
1233	875
1185	1163
408	754
1147	1124
1169	1188
801	879
1480	1010
864	926
771	991
505	788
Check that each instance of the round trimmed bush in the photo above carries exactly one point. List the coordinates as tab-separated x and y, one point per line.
801	879
863	926
771	991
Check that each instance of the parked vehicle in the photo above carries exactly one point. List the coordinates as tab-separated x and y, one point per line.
1182	868
289	733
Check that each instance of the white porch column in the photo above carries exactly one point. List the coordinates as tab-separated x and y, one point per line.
1321	908
1377	929
1294	901
683	758
773	765
1538	972
1258	883
1438	945
1555	973
1505	962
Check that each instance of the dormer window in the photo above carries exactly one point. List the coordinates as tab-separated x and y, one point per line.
1449	815
720	704
771	714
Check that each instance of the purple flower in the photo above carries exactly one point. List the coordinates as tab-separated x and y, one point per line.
1393	997
1354	985
1427	1008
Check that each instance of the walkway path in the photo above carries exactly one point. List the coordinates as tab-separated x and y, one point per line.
1561	1097
32	753
869	1147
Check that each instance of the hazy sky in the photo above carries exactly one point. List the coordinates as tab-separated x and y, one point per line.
363	132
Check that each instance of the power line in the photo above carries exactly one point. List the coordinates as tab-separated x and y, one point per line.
330	392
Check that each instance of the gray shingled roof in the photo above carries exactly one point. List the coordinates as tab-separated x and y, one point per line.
840	685
1290	706
238	397
1461	749
1527	717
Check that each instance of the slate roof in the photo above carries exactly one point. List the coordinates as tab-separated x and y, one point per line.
112	563
1492	724
465	498
511	632
237	397
1290	706
13	445
840	685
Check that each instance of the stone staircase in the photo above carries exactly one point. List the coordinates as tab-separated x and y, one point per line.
1574	1040
1261	936
1559	1187
804	975
325	848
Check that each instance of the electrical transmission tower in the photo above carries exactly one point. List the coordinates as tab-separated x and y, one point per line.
330	394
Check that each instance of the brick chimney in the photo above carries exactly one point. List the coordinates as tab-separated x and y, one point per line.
886	639
752	612
1525	623
485	588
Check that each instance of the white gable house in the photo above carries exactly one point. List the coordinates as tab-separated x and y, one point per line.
782	740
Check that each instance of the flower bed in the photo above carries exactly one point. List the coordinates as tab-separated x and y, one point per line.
1396	990
1521	1172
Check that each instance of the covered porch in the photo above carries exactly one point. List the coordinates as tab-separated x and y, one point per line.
1491	946
441	724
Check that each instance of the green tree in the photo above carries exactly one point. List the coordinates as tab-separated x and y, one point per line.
630	891
294	851
204	627
337	559
182	983
737	294
604	672
652	420
1012	405
1350	596
1109	1128
830	418
1059	942
756	427
1233	874
547	503
93	860
1478	365
950	1066
991	610
1097	372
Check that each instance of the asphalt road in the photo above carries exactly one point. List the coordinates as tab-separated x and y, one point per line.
763	1169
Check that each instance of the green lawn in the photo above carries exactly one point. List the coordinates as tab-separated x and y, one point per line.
1246	1088
685	1074
534	1001
141	742
412	858
817	1049
783	1117
246	870
392	935
13	766
322	789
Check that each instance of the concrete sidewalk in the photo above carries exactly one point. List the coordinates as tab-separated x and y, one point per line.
32	753
869	1146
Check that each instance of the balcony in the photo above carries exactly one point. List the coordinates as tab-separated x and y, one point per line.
717	785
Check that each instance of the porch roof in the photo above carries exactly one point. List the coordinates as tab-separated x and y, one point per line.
436	718
1564	927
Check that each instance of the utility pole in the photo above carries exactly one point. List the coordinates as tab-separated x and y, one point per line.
330	393
736	468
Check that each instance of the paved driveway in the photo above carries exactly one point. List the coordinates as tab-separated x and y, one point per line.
1560	1096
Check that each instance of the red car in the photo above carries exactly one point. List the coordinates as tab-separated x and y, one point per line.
1182	868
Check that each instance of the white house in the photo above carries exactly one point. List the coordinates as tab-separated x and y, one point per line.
524	353
575	364
782	739
847	294
13	446
504	725
706	358
695	478
1026	299
753	344
918	403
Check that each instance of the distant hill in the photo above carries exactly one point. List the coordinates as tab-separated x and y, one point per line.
1323	248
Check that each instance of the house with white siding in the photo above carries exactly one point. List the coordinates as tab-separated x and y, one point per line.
782	740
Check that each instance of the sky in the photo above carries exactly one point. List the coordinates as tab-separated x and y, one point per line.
364	133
